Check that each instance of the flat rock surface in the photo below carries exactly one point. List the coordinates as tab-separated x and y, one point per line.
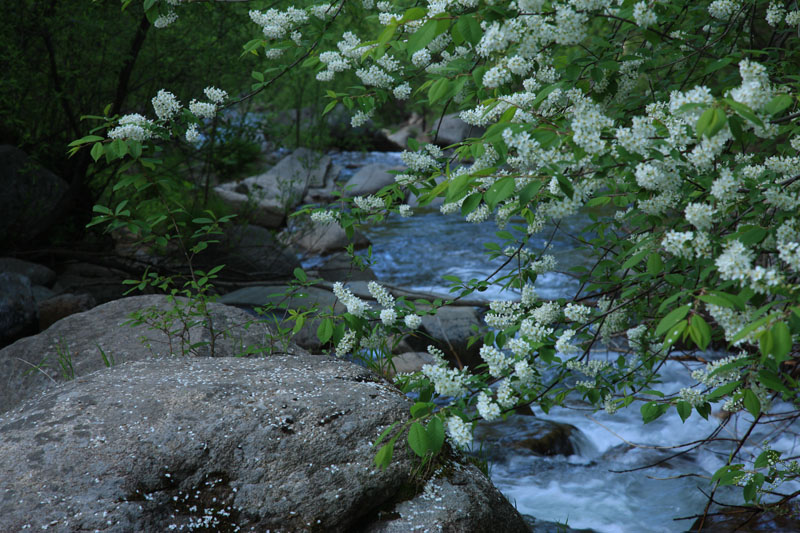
280	443
76	344
320	239
370	179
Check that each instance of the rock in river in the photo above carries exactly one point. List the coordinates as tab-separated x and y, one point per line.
281	443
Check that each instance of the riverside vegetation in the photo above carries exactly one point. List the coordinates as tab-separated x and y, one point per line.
673	124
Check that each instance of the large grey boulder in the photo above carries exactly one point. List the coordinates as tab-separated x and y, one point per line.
324	194
451	130
277	300
340	267
249	252
229	444
103	283
462	501
369	180
28	196
19	314
38	274
83	342
410	362
449	330
412	128
267	198
318	238
527	435
54	309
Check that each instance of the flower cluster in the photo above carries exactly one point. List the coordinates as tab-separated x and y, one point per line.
355	306
134	127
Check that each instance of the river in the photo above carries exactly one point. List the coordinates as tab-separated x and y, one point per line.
605	486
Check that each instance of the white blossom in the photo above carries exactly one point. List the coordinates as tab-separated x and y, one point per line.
412	321
380	294
355	306
459	432
347	344
202	109
495	359
134	127
488	409
215	95
165	105
402	91
192	134
165	20
577	312
644	15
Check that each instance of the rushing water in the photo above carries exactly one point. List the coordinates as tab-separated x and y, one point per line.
588	489
416	252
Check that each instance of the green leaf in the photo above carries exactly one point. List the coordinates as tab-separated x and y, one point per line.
704	410
652	410
719	301
421	409
418	439
116	149
387	34
97	151
330	106
770	380
435	434
654	264
671	319
499	191
477	75
673	334
471	203
457	187
751	403
762	461
135	148
744	111
300	274
528	192
711	122
684	410
469	28
325	330
565	186
438	90
258	76
384	433
781	342
384	455
699	331
86	140
745	331
414	13
704	122
728	474
724	390
753	235
422	37
779	103
735	124
635	260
